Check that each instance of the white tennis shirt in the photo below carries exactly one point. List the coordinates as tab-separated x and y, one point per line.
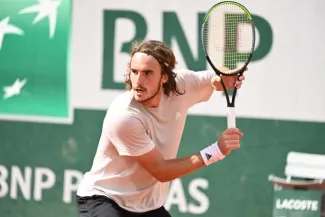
131	129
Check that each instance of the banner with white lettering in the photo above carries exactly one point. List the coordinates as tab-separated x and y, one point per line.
297	203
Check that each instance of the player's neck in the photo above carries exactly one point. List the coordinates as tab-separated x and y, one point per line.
155	101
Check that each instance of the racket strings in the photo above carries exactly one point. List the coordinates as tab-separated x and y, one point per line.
228	38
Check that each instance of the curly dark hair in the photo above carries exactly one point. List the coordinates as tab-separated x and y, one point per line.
166	58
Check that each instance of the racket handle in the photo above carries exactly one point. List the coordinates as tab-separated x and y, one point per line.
231	117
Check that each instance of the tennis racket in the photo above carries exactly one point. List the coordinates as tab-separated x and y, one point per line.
228	39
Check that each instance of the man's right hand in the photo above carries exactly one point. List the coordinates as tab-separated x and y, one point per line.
229	140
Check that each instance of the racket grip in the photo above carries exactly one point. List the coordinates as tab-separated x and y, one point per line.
231	117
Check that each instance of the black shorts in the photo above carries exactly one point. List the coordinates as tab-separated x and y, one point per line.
101	206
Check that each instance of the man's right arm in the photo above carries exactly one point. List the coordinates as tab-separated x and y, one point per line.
167	170
128	135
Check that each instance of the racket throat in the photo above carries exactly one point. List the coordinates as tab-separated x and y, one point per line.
231	117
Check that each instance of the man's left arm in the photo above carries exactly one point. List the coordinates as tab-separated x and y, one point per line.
197	85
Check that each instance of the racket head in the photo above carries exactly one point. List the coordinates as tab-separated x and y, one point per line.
228	38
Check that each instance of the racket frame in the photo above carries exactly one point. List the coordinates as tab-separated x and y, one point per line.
231	116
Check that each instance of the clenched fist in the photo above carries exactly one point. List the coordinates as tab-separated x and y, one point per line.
230	81
229	140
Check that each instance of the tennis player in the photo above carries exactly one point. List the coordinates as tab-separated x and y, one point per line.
141	133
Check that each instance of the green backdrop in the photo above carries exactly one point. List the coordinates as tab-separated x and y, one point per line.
238	185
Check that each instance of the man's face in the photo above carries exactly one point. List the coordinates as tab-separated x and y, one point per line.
146	79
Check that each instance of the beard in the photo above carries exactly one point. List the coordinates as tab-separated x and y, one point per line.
150	96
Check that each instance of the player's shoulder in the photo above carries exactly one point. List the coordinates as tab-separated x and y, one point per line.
182	71
121	102
183	77
124	121
124	109
181	74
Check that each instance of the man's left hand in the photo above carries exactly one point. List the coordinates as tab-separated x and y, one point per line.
230	82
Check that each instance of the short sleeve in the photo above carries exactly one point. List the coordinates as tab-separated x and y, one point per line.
128	135
197	85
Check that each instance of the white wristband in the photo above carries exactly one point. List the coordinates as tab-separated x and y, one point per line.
211	154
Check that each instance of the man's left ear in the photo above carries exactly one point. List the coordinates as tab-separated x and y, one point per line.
164	78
